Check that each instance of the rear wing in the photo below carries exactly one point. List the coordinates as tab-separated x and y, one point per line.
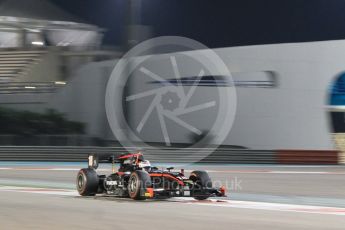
94	159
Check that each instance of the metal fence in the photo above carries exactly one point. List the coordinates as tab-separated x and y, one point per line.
171	155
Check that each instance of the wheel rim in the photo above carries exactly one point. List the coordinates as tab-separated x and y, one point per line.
80	181
133	184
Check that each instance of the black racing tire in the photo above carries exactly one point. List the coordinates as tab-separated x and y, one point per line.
202	182
137	184
87	182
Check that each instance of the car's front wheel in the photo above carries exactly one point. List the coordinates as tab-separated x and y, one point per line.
202	182
138	182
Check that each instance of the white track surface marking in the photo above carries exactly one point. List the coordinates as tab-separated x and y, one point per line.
212	202
47	191
266	206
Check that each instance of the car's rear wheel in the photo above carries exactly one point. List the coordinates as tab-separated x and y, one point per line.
87	182
138	182
202	182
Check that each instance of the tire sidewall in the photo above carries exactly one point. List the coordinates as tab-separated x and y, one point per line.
143	181
90	182
201	181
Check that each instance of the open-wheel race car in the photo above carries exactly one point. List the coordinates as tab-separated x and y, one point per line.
137	179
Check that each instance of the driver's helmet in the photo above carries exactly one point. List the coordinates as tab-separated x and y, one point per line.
136	159
131	158
145	164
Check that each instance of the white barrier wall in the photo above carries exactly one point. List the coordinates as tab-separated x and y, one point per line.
291	115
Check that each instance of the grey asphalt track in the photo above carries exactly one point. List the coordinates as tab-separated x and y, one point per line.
317	186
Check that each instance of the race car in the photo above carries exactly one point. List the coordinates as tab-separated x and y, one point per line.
137	179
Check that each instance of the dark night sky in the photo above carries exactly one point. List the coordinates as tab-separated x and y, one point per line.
219	23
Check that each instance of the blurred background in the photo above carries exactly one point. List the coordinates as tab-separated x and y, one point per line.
282	162
56	57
